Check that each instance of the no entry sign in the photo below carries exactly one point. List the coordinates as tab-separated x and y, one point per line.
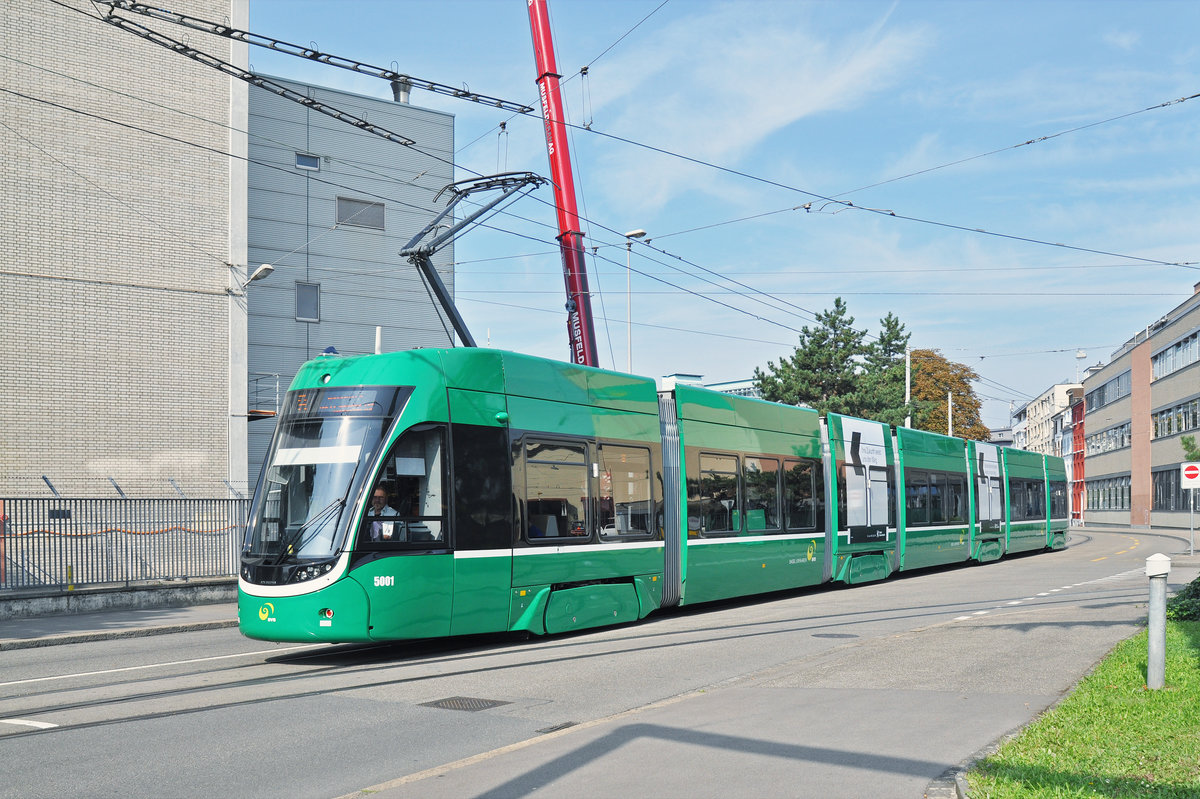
1189	475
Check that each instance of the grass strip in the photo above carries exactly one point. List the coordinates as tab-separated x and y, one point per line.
1112	737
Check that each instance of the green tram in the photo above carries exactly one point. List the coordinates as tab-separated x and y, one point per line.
442	492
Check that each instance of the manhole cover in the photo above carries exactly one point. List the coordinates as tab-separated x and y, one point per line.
468	703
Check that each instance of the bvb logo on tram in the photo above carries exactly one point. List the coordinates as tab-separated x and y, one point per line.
266	612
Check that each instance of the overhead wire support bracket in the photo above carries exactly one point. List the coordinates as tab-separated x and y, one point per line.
509	184
252	79
311	54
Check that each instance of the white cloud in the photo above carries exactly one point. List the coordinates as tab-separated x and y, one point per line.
716	85
1122	40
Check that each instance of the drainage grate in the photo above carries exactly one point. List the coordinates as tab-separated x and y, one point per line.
467	703
834	635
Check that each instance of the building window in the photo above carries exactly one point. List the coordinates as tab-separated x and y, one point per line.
308	302
1172	421
1167	492
359	213
1111	391
1184	352
1112	439
309	162
1111	493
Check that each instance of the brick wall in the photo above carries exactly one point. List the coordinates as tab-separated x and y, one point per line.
116	217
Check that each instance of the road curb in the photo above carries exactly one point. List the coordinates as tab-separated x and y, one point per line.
9	644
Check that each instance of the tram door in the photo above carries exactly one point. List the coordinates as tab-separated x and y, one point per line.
410	571
867	507
481	484
989	496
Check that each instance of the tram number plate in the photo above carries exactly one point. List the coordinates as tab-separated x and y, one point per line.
384	581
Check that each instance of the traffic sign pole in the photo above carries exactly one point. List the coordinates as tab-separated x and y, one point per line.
1189	478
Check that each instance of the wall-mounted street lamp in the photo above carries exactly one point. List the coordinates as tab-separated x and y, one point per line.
258	274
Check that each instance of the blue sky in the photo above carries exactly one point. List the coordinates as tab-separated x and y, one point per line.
917	109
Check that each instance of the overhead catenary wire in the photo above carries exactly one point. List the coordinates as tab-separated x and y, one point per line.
423	211
1165	263
209	60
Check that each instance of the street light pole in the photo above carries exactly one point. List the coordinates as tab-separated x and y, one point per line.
907	386
629	237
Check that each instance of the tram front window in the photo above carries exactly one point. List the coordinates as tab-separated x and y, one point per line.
305	488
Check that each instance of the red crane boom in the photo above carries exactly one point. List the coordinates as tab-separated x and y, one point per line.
580	327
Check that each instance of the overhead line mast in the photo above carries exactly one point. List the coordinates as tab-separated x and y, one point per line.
580	325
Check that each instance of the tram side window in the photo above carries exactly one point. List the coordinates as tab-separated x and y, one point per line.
761	477
989	502
407	504
713	506
556	490
937	499
916	498
956	498
804	495
626	507
1017	499
883	505
1058	500
1028	499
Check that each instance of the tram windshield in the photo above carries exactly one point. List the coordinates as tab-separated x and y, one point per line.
316	461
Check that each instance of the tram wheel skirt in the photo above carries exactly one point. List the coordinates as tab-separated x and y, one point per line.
591	606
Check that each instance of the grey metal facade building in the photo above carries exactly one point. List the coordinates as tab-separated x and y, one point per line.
330	208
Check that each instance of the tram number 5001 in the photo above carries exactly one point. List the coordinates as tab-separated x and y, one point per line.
384	581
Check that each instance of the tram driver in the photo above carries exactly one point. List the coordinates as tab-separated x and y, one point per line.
378	513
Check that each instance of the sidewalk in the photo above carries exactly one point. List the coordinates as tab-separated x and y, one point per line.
76	628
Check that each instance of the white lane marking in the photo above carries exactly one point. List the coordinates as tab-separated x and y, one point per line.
161	665
962	618
41	725
1016	602
1044	593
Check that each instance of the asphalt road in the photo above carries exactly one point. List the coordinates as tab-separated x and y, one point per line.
874	691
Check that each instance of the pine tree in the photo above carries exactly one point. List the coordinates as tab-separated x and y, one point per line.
880	394
823	371
834	369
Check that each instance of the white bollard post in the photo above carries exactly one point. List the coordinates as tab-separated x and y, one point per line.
1158	566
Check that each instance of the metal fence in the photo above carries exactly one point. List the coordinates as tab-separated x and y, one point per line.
65	543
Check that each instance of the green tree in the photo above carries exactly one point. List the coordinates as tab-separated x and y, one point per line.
880	394
1190	451
834	369
933	378
822	373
